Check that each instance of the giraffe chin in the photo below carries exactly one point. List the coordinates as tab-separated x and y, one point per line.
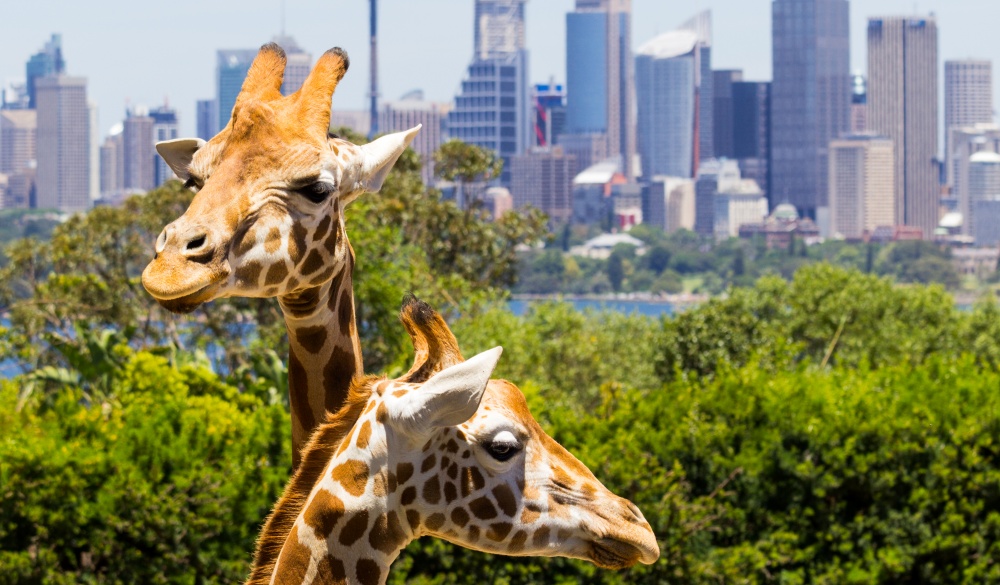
613	554
187	303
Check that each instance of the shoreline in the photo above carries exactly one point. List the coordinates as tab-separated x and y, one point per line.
664	299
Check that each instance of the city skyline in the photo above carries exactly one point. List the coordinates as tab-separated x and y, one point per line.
184	71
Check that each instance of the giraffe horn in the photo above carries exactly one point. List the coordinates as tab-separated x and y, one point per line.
317	91
434	344
266	74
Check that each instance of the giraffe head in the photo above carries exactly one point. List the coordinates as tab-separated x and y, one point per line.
271	188
442	451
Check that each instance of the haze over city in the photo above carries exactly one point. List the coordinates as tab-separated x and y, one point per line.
131	54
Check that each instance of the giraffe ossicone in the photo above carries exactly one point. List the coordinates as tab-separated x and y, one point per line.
268	221
442	451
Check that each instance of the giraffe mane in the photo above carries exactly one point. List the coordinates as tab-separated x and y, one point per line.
320	449
434	344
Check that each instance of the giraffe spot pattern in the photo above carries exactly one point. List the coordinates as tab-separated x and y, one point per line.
273	241
330	571
541	537
364	434
248	275
472	481
297	243
323	513
276	274
368	572
378	485
387	535
382	414
337	376
352	475
413	519
450	492
516	543
483	508
293	561
409	494
498	531
435	521
530	514
313	262
460	517
428	463
354	528
505	499
432	490
321	228
311	339
345	309
404	471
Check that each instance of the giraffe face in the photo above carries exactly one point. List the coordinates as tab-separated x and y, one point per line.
498	483
267	219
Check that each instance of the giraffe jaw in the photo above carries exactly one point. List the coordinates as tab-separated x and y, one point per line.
190	302
609	553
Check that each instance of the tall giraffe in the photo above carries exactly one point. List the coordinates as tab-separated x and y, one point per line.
442	451
268	220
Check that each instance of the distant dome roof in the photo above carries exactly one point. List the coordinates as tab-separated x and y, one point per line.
785	211
985	157
672	44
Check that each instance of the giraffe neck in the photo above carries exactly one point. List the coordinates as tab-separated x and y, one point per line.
324	351
354	524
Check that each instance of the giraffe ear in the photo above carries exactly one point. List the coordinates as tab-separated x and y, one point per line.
379	155
449	398
178	154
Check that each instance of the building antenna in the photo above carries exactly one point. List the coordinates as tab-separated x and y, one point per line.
374	69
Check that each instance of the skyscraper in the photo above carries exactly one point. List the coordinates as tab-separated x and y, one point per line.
752	132
139	151
48	61
113	165
600	81
492	110
964	143
231	70
409	111
543	178
984	195
722	111
298	63
667	94
165	127
207	123
549	103
63	180
810	96
862	185
18	155
859	104
968	98
903	105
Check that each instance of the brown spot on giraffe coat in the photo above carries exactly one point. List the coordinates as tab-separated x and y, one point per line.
352	476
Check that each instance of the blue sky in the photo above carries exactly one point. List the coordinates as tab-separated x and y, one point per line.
143	52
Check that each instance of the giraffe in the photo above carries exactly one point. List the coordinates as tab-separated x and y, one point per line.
441	451
268	221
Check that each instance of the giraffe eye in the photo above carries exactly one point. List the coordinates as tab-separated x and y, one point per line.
503	447
317	192
192	184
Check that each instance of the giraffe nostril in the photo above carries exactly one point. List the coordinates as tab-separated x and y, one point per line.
196	243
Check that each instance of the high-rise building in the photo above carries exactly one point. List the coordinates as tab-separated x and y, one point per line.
724	200
14	96
592	193
964	143
492	110
113	165
543	178
298	63
984	194
752	132
63	179
18	155
549	103
722	111
859	104
810	97
409	111
666	88
903	106
668	203
18	133
862	185
165	127
231	69
139	150
47	62
968	93
600	80
207	122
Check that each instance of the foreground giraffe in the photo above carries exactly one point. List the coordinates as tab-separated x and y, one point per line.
442	451
268	221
